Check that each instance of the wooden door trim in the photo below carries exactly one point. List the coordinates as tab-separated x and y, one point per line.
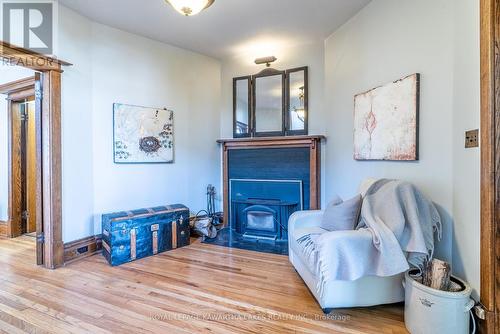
3	228
51	170
18	86
51	69
490	163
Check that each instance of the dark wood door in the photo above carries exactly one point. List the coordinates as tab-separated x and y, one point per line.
17	183
24	167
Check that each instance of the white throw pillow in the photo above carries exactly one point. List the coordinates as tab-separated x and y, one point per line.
340	215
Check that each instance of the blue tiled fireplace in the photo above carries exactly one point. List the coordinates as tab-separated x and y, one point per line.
265	181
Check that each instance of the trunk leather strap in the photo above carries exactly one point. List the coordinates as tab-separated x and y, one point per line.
106	246
155	242
174	234
133	244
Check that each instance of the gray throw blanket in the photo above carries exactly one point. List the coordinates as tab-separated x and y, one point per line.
396	228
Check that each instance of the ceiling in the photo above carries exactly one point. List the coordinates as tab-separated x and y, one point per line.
226	28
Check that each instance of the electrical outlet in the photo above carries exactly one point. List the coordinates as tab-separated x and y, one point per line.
472	138
82	250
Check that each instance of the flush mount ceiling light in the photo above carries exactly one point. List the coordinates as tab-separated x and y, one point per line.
190	7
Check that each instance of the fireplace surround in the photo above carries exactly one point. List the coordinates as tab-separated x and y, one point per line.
265	180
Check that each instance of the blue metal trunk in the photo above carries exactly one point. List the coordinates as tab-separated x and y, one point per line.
131	235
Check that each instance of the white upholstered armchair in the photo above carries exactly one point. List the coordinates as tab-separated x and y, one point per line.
366	291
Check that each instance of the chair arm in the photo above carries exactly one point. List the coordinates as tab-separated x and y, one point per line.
347	255
363	238
300	219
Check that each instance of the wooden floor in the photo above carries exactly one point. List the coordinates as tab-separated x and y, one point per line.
197	289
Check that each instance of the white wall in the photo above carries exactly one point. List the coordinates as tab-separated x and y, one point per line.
390	39
134	70
7	74
114	66
75	45
466	162
289	56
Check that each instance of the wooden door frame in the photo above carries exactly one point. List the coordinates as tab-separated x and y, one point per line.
17	92
490	163
51	69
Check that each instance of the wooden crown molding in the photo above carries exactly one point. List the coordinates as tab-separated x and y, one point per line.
17	86
17	56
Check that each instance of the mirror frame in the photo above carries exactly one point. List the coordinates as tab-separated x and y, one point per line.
288	131
285	128
235	120
268	72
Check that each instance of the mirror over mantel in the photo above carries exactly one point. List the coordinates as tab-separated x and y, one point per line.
271	103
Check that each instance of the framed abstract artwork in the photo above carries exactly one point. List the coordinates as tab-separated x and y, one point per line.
142	135
386	121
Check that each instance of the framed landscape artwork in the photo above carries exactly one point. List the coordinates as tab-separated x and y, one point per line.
386	121
142	135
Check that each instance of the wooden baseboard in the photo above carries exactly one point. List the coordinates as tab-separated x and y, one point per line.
3	229
82	248
487	326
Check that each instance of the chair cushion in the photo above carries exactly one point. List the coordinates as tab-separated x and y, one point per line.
341	216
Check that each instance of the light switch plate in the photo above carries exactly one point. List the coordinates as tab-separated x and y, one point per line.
472	138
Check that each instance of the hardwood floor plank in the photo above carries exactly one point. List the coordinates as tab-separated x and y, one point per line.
197	289
9	329
13	324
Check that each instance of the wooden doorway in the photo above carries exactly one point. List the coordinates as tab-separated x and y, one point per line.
50	219
490	164
24	159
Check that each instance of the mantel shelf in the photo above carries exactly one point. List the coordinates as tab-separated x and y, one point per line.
281	139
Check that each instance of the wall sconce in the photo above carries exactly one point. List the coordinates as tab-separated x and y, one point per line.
266	60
